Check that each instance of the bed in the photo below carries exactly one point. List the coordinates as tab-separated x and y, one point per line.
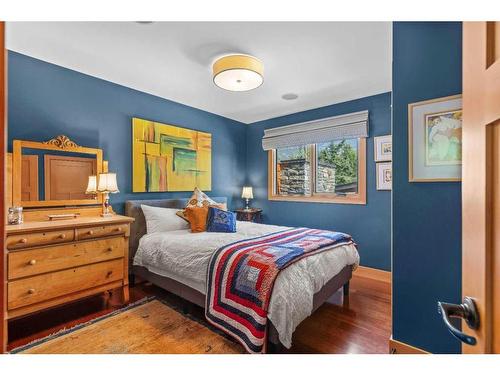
177	261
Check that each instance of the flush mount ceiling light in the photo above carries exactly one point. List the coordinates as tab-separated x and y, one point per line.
238	72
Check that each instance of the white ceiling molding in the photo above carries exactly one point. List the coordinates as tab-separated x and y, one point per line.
322	62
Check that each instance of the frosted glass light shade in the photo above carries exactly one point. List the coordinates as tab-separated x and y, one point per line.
247	192
92	185
238	72
107	183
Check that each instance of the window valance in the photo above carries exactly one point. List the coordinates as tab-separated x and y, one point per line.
352	125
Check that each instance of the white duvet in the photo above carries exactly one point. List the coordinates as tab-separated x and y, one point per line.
184	257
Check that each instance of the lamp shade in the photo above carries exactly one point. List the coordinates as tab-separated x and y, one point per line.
92	185
238	72
247	192
107	183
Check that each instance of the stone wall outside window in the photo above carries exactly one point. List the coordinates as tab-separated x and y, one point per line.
294	177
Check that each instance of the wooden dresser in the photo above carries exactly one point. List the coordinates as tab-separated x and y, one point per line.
54	262
80	252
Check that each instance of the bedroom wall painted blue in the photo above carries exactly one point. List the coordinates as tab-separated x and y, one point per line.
370	224
427	64
46	100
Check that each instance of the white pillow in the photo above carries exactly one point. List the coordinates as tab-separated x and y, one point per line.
159	219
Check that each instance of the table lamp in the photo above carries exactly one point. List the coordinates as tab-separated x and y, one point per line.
92	186
247	194
107	184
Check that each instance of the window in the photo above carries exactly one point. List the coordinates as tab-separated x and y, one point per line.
337	166
293	170
322	160
328	172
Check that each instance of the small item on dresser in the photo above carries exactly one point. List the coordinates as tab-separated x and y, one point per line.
107	184
63	216
92	186
15	215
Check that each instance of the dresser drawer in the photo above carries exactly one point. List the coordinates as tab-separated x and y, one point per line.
24	263
40	288
101	231
20	241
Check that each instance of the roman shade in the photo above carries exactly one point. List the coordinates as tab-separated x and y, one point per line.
352	125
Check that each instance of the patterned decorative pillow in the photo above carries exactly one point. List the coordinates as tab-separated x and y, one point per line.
200	199
221	221
197	217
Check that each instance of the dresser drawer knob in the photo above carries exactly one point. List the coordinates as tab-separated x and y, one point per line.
117	229
109	249
109	273
23	240
90	232
32	262
62	236
31	291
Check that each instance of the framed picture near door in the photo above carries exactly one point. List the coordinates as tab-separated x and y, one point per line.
435	140
384	176
382	148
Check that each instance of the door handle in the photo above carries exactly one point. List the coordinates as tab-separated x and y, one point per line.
467	311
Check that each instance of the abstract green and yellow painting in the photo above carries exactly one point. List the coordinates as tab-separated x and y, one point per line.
170	158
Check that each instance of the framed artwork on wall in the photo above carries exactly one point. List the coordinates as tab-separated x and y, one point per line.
384	176
383	148
169	158
435	140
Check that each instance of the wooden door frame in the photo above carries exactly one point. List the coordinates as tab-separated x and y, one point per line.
481	155
3	155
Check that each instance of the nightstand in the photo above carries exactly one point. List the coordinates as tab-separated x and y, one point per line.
252	214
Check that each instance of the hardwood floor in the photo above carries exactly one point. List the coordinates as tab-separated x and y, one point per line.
359	324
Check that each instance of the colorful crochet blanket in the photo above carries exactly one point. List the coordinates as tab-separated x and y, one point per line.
241	276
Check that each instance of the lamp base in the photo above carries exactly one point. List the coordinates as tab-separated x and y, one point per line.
106	207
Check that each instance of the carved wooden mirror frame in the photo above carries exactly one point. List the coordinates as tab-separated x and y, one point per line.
60	143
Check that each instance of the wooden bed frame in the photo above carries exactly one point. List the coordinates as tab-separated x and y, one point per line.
138	229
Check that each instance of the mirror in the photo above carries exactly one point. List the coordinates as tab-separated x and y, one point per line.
54	173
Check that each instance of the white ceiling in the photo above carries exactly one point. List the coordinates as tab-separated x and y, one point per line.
323	62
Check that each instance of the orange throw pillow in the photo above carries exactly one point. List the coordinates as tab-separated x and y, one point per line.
197	217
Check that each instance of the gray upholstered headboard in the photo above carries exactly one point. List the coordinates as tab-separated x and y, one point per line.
138	227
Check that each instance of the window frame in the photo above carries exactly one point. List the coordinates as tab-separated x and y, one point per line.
357	198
